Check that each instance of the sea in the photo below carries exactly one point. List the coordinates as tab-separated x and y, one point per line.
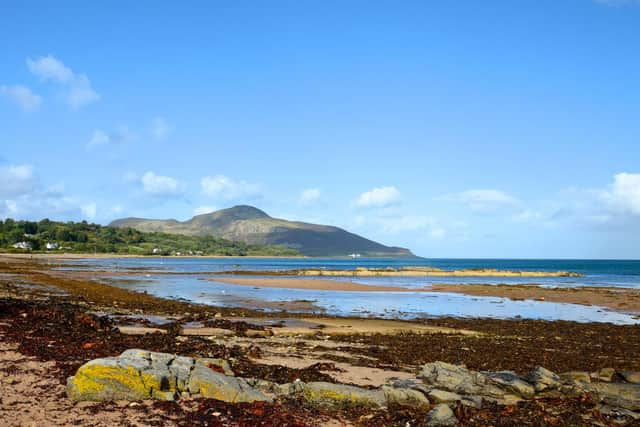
146	274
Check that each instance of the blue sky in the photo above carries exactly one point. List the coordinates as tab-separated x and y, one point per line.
457	129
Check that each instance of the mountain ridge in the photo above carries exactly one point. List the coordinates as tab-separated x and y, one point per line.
251	225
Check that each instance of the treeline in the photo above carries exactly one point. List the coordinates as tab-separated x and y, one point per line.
83	237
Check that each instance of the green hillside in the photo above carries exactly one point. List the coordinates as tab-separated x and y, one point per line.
83	237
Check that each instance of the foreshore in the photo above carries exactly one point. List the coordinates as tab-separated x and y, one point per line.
404	272
51	322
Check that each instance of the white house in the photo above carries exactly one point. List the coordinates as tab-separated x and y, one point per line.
22	245
51	246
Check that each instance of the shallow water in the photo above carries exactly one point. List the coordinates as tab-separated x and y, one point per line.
403	305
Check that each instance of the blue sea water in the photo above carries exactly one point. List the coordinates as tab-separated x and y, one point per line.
191	286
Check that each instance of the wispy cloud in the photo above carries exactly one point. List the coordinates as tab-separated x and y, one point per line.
16	180
379	197
201	210
482	200
310	197
160	128
79	91
623	196
23	96
120	135
221	186
159	185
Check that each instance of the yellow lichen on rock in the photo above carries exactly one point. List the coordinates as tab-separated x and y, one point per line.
109	382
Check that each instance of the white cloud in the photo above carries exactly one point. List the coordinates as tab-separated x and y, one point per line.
89	211
201	210
49	68
159	185
23	96
119	136
160	128
79	91
16	180
227	188
624	195
310	196
379	197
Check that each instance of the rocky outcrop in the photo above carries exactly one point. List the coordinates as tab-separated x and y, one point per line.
140	374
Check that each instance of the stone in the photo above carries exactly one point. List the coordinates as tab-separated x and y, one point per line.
579	376
631	376
140	374
619	395
443	396
460	380
208	383
216	364
404	397
543	379
327	395
604	374
441	415
510	381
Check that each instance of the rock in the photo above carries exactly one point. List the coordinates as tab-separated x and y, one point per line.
510	381
219	365
619	395
441	415
140	374
328	395
214	385
609	410
256	333
110	379
442	396
579	376
404	397
543	379
631	376
604	374
461	380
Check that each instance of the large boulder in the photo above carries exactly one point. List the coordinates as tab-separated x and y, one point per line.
140	374
504	387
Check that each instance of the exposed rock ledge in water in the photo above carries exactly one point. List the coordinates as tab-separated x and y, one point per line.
406	272
140	375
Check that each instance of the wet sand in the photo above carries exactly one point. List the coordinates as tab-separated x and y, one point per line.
619	299
313	284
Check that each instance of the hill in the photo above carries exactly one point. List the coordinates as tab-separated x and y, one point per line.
82	237
251	225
